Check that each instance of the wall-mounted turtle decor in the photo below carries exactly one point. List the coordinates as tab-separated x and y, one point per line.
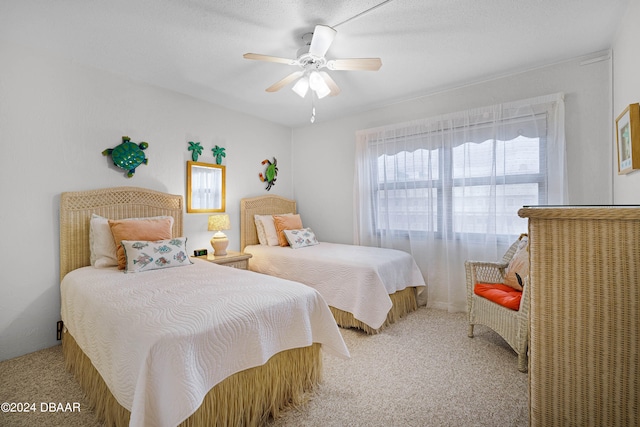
196	149
218	153
270	173
128	155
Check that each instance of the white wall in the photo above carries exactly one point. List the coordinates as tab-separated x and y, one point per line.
56	117
323	153
626	90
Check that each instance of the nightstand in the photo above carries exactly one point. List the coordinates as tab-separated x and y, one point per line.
231	259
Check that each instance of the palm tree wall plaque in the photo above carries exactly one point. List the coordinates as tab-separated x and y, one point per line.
196	150
218	153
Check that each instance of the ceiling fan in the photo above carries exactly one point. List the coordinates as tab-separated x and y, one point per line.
311	59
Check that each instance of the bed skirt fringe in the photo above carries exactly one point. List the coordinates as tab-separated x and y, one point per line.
247	398
404	302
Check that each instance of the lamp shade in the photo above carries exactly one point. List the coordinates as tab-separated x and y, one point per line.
219	222
301	87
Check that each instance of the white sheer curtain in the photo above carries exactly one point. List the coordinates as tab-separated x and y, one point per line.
448	188
206	187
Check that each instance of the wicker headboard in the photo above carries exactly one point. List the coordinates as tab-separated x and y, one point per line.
262	205
113	203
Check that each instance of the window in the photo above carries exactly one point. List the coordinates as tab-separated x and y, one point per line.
448	188
460	175
498	176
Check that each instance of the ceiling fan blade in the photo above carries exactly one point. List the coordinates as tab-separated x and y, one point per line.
323	36
282	83
358	64
268	58
335	90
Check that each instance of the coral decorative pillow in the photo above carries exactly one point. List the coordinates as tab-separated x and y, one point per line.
286	222
101	244
267	234
300	238
519	265
149	229
501	294
145	256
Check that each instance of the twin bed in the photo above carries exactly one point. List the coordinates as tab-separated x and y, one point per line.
175	340
366	288
194	344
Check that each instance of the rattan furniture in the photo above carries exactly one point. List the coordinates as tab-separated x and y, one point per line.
584	367
245	398
231	259
403	302
511	325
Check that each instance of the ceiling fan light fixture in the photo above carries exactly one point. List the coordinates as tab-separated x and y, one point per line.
311	60
315	80
301	87
323	91
318	85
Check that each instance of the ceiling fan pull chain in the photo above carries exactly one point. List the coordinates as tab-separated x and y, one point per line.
313	107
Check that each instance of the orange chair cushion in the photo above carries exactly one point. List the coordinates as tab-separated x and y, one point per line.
501	294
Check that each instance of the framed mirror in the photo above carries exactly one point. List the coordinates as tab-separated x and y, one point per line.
205	187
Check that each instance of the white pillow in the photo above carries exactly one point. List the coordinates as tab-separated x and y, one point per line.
145	256
300	238
262	237
270	235
102	246
101	243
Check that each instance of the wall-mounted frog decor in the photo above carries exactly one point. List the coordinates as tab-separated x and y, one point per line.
270	173
196	149
128	155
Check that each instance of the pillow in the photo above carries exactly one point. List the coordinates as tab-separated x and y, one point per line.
286	222
101	244
144	256
300	238
518	267
262	236
270	236
149	229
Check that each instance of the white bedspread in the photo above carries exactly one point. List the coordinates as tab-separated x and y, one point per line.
162	339
355	279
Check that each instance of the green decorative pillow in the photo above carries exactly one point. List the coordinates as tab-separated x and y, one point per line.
301	238
143	255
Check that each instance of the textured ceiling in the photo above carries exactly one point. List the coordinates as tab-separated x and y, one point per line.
196	46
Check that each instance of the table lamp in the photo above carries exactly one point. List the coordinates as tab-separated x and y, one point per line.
219	241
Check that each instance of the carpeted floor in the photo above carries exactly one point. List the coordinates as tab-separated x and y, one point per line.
422	371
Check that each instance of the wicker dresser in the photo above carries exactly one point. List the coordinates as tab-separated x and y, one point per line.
584	350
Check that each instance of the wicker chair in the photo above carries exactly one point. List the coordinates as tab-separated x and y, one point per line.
511	325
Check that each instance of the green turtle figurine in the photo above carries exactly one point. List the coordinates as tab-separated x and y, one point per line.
128	155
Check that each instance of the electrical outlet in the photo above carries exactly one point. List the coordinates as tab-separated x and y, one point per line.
59	326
